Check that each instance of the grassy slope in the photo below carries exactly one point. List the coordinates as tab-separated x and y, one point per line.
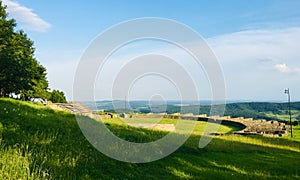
40	142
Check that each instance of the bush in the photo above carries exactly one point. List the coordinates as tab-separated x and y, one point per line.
57	97
295	123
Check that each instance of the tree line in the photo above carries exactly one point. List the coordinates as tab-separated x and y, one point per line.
21	75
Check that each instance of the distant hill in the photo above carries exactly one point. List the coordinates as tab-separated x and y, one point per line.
263	110
256	110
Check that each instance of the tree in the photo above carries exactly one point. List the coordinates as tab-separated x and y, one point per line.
57	97
20	72
6	36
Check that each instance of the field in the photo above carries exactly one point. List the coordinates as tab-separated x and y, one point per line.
284	115
38	142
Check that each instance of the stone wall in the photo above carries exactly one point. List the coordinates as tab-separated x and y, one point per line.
249	126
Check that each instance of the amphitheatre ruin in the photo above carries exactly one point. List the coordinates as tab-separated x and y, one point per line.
248	126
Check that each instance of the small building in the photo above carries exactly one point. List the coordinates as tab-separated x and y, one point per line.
124	115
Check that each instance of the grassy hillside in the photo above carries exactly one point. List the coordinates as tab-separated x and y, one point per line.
38	142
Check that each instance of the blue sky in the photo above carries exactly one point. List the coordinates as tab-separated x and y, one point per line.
256	42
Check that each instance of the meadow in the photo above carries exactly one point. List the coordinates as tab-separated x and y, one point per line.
38	142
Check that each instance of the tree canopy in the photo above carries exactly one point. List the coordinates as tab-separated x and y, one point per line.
57	97
20	72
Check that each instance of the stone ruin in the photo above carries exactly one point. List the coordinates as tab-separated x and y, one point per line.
248	125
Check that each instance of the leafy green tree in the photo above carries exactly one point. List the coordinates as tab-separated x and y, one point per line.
57	97
20	72
6	36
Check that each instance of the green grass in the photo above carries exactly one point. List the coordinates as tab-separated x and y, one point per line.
283	115
41	143
296	133
198	129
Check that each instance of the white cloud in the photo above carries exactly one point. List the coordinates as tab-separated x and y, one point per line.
285	69
282	68
252	61
25	17
282	44
258	63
